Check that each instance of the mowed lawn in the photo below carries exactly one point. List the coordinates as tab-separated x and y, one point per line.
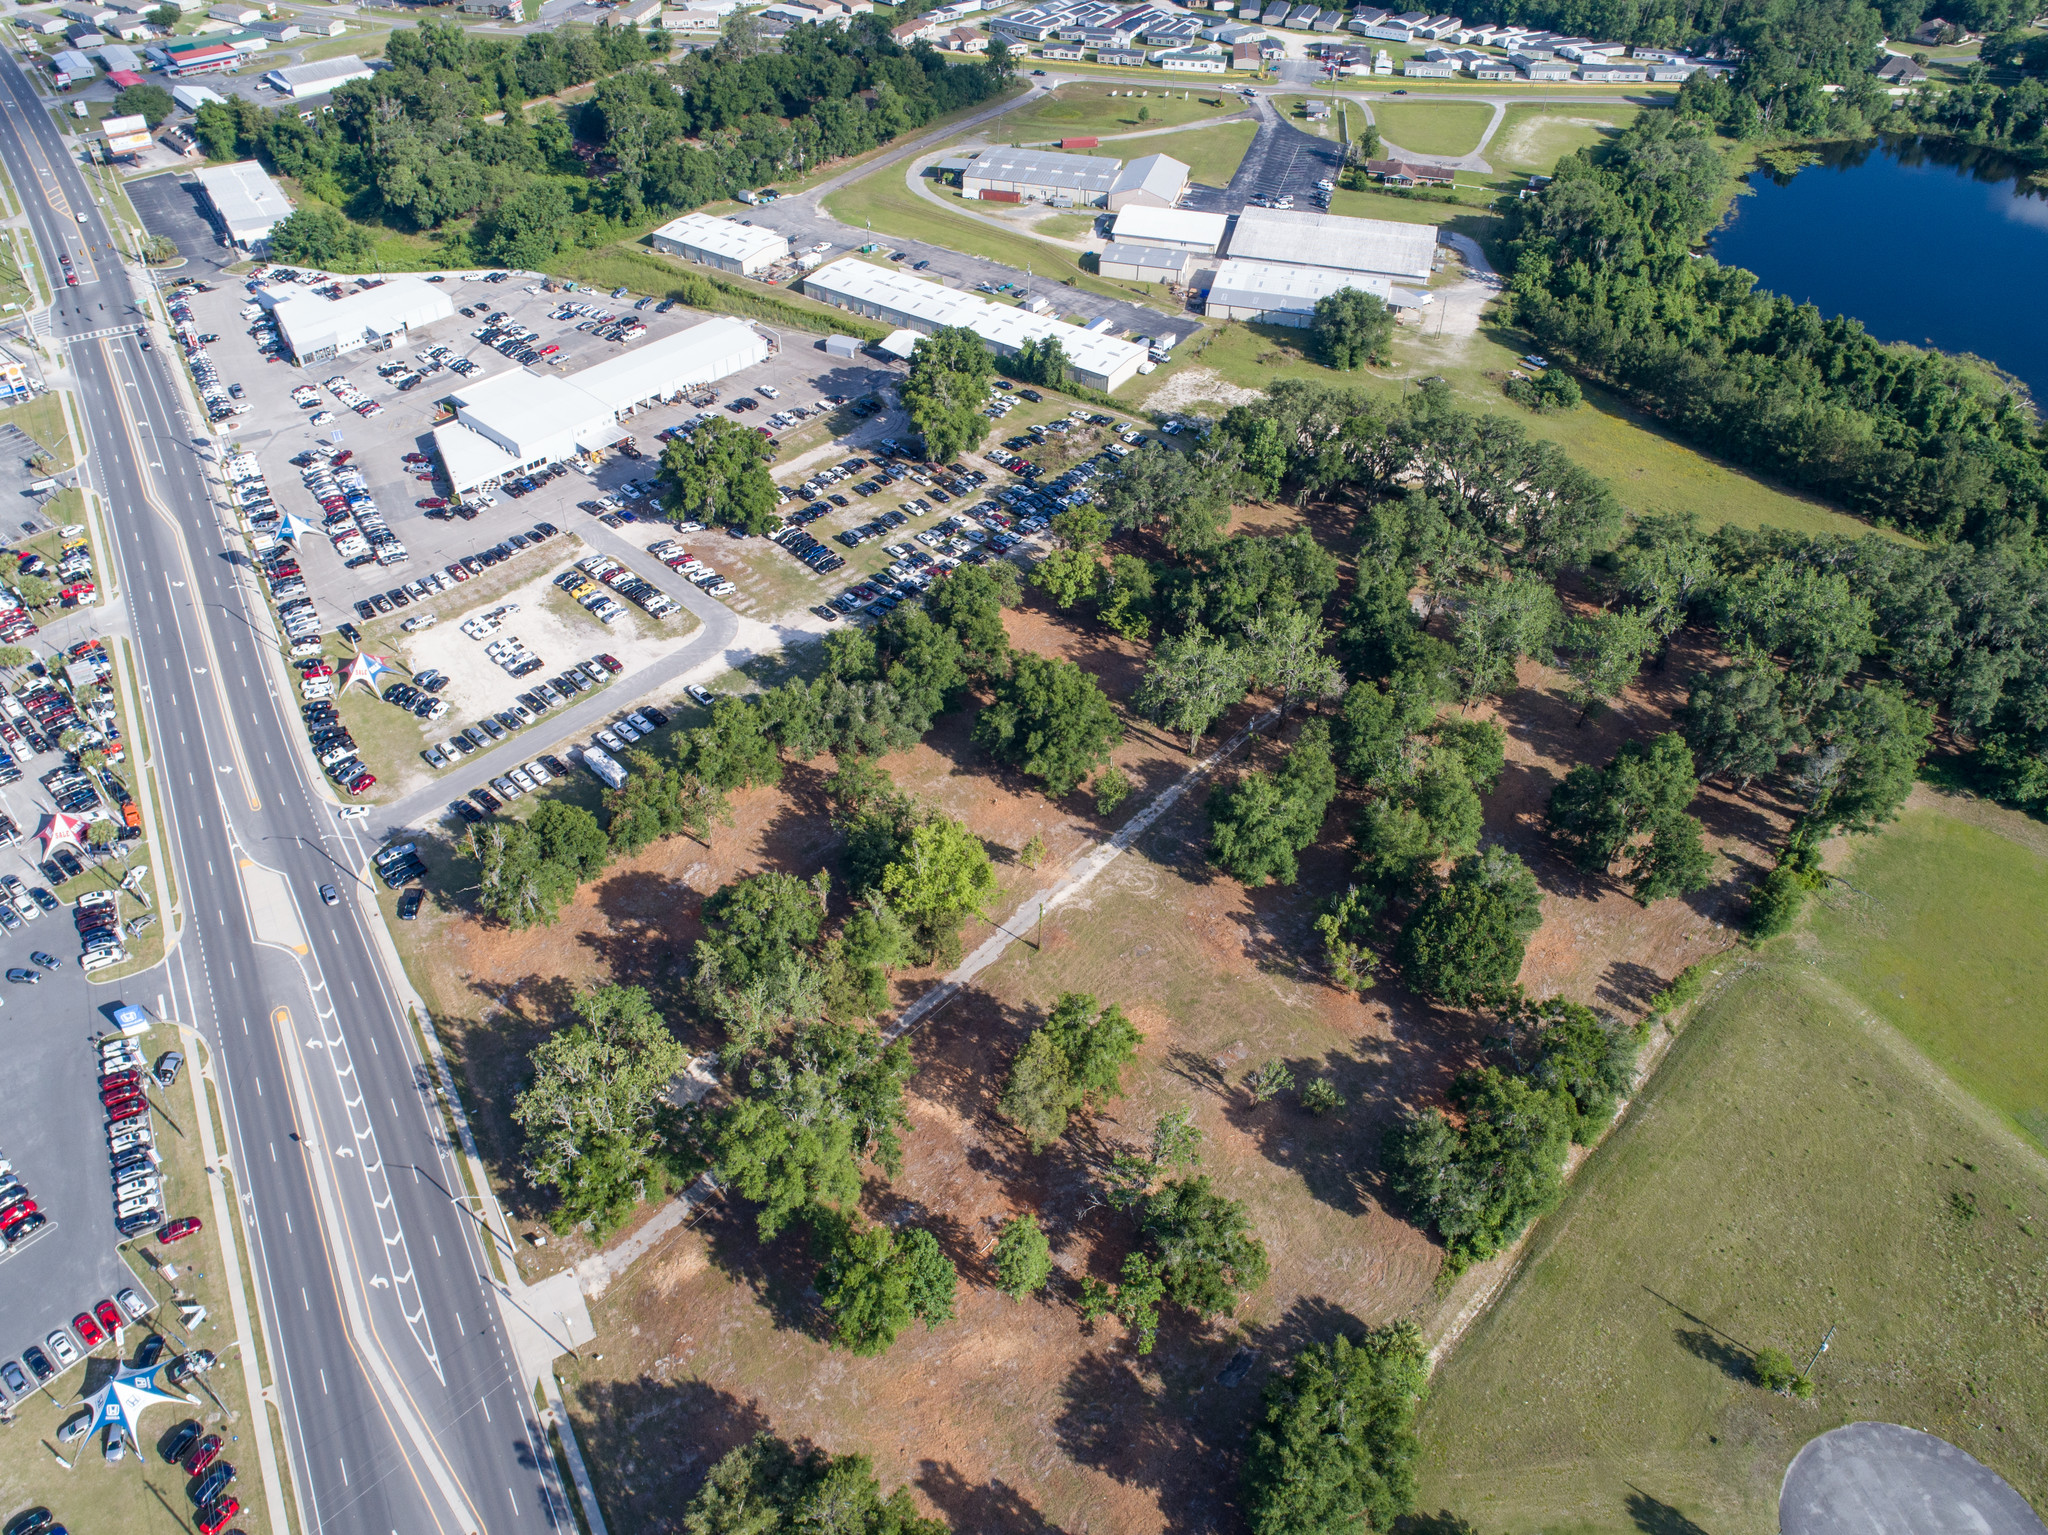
1534	138
1433	127
1939	929
1085	110
1796	1164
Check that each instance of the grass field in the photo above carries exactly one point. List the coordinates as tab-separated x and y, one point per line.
1533	139
1796	1164
1433	127
1294	110
43	419
1213	154
1085	110
1935	897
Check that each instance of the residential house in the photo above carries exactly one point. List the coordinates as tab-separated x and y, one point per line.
1898	70
1194	61
964	40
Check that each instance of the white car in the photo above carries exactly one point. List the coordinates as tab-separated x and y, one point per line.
702	695
321	418
518	776
538	773
610	742
61	1346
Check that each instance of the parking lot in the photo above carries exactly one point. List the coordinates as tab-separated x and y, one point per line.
171	205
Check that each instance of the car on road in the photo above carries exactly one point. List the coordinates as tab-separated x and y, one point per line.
180	1229
24	977
329	896
47	961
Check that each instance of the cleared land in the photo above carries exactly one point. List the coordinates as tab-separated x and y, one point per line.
1433	127
1085	110
1795	1164
1533	139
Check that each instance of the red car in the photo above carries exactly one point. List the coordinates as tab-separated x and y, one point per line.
180	1229
109	1315
88	1329
126	1078
458	573
213	1520
611	664
121	1113
203	1455
363	784
427	477
113	1096
16	1211
416	458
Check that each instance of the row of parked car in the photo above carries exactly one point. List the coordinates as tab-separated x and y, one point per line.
104	1320
692	569
21	1218
131	1140
635	588
223	401
349	514
524	710
97	916
333	747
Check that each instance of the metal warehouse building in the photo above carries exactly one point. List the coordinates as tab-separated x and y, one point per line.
906	300
1039	176
723	243
1174	229
1156	181
315	328
1144	263
318	78
1376	247
518	422
1286	295
245	201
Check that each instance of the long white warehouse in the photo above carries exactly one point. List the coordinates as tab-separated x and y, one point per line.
315	328
903	299
1398	252
518	422
1286	295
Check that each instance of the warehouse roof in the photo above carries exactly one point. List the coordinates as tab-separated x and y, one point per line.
1259	285
1331	240
1149	225
320	76
1152	256
914	297
244	195
724	237
1161	175
1046	168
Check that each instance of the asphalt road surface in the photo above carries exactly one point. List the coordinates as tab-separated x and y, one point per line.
402	1406
1881	1479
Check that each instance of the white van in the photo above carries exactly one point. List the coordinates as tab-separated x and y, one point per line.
100	959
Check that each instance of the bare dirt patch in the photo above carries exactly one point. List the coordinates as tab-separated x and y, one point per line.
1200	386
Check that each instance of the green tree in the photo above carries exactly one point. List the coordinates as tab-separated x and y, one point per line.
1377	724
940	876
1466	940
1336	1442
1207	1252
874	1282
1073	1061
1050	721
589	1114
1191	681
1867	743
717	474
34	591
1666	567
313	234
1285	648
1600	654
764	1487
516	885
1269	1081
753	922
1350	327
1157	483
806	1113
1569	1049
1041	360
1634	809
970	603
12	656
1479	1184
1499	622
1734	721
1774	1370
732	752
946	391
1134	1300
153	102
569	835
1023	1257
1258	824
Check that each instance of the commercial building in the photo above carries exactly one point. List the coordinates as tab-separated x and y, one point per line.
315	328
1171	229
1375	247
1039	176
517	422
299	81
1144	263
208	58
1405	173
193	97
126	135
71	66
745	249
903	299
1155	181
246	203
1287	295
119	60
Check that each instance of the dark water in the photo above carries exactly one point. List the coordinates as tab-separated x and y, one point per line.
1934	244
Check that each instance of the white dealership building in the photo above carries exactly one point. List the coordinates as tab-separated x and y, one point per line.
315	328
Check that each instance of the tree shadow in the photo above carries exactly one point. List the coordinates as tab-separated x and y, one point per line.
989	1508
657	1440
1655	1517
1628	987
1733	1362
488	1056
780	1275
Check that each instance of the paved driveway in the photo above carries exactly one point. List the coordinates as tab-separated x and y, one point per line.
1881	1479
172	205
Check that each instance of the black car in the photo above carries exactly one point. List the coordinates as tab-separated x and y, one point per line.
467	811
409	904
151	1351
486	799
183	1439
34	1522
657	716
38	1364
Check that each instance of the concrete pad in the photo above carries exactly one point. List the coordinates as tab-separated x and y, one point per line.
1881	1479
273	915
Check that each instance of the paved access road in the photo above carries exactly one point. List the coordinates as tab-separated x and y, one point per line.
1882	1479
402	1406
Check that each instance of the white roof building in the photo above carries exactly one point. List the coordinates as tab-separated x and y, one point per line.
316	328
74	64
1040	175
1287	295
518	422
1180	229
723	243
1402	252
1155	181
905	299
1143	263
193	97
318	78
245	200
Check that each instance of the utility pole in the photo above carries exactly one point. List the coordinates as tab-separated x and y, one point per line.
1824	1342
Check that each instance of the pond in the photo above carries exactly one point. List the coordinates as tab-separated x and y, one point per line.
1931	243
